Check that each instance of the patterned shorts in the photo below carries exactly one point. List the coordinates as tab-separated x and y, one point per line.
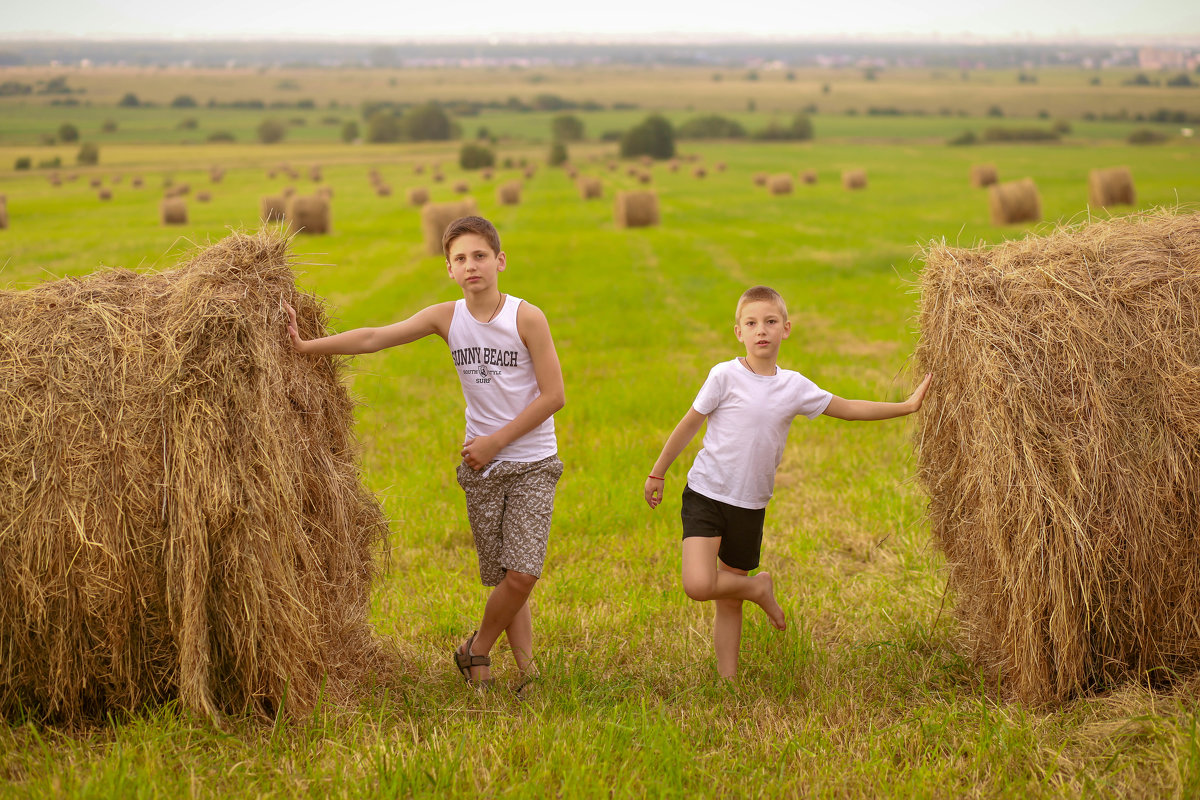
509	504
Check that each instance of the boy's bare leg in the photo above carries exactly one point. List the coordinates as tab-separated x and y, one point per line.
520	638
703	581
503	605
727	630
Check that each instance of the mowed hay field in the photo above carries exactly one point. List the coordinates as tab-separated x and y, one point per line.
867	693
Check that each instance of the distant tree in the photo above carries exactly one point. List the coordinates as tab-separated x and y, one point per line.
711	126
566	128
428	122
271	131
221	136
183	101
88	155
129	100
652	137
68	132
995	111
551	102
475	156
800	129
350	131
1141	79
24	162
188	124
383	126
1180	80
1146	136
558	154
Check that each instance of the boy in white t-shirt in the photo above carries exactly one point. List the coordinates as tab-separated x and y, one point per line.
749	403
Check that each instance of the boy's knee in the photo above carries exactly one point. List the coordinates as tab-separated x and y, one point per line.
521	581
698	589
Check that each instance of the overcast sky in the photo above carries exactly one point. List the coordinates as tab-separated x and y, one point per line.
398	20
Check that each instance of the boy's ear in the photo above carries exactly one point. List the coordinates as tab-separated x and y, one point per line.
787	328
500	261
737	331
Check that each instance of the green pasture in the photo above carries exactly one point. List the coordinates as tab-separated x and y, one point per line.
865	695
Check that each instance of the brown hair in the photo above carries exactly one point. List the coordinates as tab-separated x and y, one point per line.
756	294
465	225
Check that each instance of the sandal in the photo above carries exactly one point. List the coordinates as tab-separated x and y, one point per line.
464	659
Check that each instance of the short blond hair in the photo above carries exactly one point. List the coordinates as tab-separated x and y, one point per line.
757	294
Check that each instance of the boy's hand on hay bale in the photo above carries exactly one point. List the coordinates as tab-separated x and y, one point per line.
479	452
293	330
914	401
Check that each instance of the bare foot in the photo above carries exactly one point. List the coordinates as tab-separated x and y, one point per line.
768	602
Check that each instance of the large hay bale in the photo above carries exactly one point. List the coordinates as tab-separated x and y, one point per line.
983	175
508	193
853	179
273	208
636	209
309	214
590	188
1059	448
1014	201
436	216
182	514
780	184
1111	187
418	196
173	211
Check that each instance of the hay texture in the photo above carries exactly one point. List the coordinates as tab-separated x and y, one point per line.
983	175
173	211
636	209
309	214
1111	187
780	184
273	208
435	217
182	513
1014	201
509	193
1060	448
854	179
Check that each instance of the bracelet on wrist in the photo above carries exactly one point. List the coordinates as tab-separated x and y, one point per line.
655	477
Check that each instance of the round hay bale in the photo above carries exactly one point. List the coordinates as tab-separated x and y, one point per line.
461	187
699	172
95	183
645	177
632	171
55	180
983	175
637	209
273	208
590	188
1014	201
854	179
229	546
288	191
271	174
808	176
374	176
72	177
1058	446
115	180
485	174
419	196
3	216
435	217
315	174
1112	186
438	177
309	214
760	178
418	169
137	182
173	211
612	166
383	190
104	194
673	165
216	175
719	166
509	194
203	197
529	171
646	161
780	184
325	191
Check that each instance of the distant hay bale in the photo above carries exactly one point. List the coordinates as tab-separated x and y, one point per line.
509	194
95	183
719	166
173	211
529	171
632	171
854	179
612	166
646	161
325	191
418	169
645	177
383	190
1014	201
1058	446
418	196
590	188
673	165
374	176
3	216
461	187
699	172
438	177
760	178
203	197
271	174
104	194
216	174
309	214
184	517
1111	187
55	180
435	217
983	175
486	174
636	209
780	184
808	176
115	180
137	182
273	208
315	174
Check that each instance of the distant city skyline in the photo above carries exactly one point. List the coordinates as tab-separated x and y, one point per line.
614	20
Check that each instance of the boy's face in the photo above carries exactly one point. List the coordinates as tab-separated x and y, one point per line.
762	328
473	264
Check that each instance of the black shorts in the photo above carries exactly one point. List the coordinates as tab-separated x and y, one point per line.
740	529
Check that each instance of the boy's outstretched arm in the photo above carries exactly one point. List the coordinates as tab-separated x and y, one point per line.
684	432
433	319
534	330
840	408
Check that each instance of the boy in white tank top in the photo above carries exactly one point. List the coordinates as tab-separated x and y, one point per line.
749	404
510	375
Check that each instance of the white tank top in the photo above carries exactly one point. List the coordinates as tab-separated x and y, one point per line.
497	378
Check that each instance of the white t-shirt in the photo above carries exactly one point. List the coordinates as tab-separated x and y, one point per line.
748	420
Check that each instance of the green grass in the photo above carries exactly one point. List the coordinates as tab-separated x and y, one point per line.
865	695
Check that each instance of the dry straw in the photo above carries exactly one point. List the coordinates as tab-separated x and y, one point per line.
1060	448
309	214
1111	187
780	184
590	188
435	217
273	208
173	211
1014	201
983	175
636	209
854	179
184	518
509	194
418	196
